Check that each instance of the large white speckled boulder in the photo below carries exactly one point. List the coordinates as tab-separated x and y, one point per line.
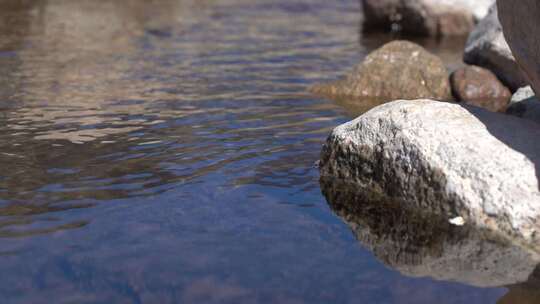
448	159
521	26
424	17
487	47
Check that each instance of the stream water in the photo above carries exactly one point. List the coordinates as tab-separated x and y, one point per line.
164	151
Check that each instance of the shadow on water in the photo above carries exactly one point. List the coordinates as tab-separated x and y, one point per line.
422	245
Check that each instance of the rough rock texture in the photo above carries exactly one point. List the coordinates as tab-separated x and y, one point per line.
420	244
524	104
398	70
480	87
521	26
424	17
487	47
445	158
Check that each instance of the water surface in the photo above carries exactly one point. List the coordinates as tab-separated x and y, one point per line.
163	152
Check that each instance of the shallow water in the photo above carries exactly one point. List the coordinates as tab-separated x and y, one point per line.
164	151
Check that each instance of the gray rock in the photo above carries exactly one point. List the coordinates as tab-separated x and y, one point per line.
419	244
521	25
447	159
487	47
424	17
399	69
524	104
522	94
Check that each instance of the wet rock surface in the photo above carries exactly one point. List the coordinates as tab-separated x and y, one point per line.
480	87
399	69
447	159
420	244
487	47
424	17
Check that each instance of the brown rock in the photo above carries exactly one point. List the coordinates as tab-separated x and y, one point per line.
480	87
398	70
424	17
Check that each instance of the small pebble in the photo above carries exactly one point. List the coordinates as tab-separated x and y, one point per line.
457	221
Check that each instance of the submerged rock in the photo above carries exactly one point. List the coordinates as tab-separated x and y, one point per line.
446	159
480	87
419	244
424	17
524	104
521	26
487	47
399	69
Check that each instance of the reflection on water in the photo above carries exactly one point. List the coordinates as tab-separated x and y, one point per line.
425	245
111	99
163	151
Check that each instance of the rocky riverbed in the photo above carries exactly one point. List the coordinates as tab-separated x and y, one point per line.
457	159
